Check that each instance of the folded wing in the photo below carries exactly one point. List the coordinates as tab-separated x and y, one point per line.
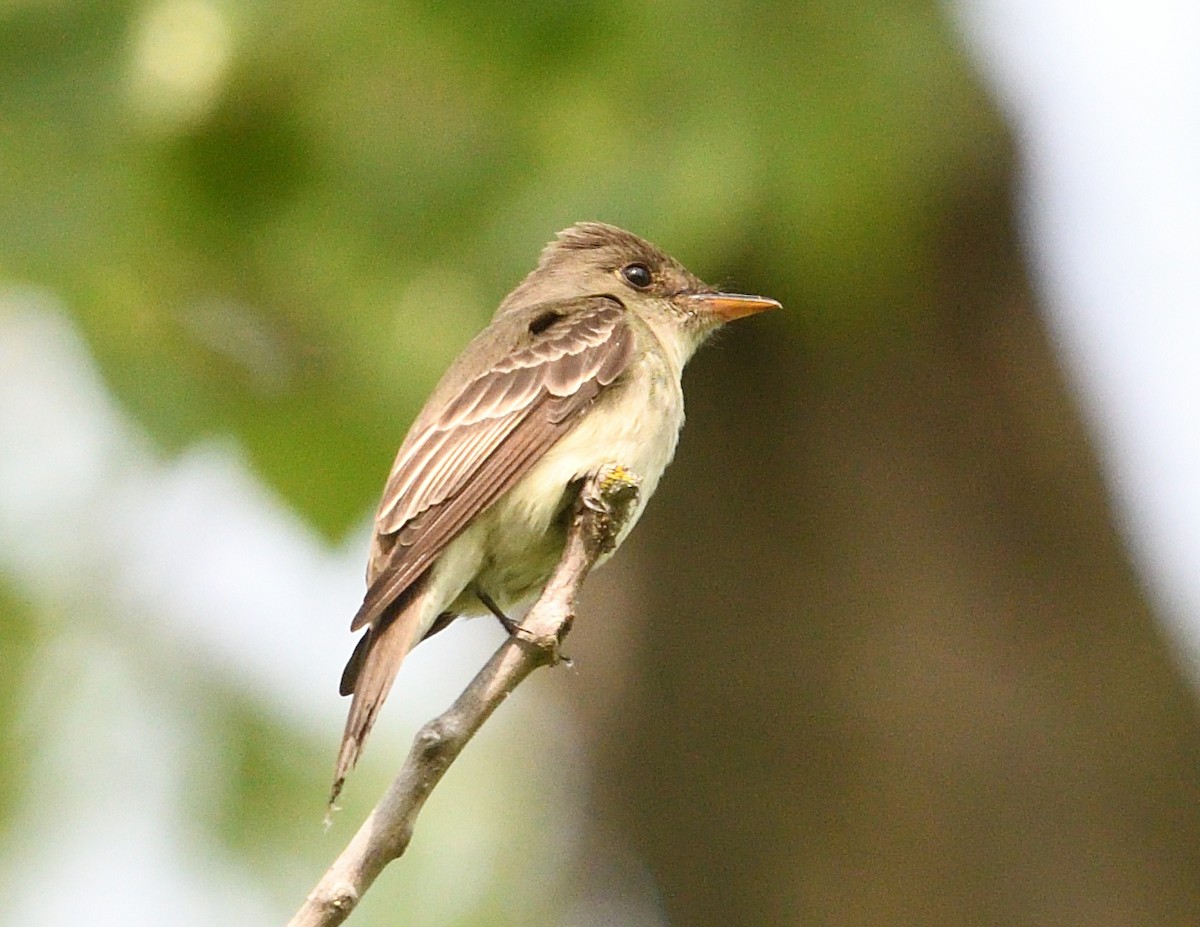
488	436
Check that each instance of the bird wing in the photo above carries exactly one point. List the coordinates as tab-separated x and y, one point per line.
458	461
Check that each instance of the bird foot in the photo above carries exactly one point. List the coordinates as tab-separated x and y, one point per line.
612	483
549	644
611	494
512	627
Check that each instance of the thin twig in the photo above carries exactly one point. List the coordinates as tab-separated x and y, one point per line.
605	501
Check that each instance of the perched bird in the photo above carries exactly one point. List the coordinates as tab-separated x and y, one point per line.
579	368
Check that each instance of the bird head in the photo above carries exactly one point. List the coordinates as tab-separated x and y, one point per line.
595	259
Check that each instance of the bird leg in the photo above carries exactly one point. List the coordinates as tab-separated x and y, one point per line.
507	623
609	495
612	494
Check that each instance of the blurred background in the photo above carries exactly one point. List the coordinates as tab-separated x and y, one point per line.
910	632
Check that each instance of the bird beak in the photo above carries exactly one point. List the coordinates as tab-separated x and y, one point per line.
729	306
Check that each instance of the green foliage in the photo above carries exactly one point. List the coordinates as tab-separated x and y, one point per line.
265	800
285	229
19	634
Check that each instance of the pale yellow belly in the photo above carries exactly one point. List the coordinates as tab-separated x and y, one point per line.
510	550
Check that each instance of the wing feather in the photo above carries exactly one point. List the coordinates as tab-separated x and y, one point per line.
487	436
467	443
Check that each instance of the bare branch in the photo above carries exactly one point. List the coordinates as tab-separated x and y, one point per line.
605	501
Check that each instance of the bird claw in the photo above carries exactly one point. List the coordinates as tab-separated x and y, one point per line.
612	484
549	644
611	493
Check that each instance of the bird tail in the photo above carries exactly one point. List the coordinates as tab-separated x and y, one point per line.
370	673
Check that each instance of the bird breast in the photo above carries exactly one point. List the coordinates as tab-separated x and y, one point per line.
635	423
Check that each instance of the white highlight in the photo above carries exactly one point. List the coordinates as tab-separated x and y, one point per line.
181	54
1105	99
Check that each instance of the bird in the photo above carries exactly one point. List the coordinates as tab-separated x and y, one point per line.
579	369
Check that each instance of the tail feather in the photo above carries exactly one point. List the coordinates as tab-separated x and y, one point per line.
355	664
369	675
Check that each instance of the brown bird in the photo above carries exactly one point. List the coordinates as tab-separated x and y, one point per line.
580	368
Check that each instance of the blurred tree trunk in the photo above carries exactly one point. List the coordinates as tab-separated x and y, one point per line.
890	663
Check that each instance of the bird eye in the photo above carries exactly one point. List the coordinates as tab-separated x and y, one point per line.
637	275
